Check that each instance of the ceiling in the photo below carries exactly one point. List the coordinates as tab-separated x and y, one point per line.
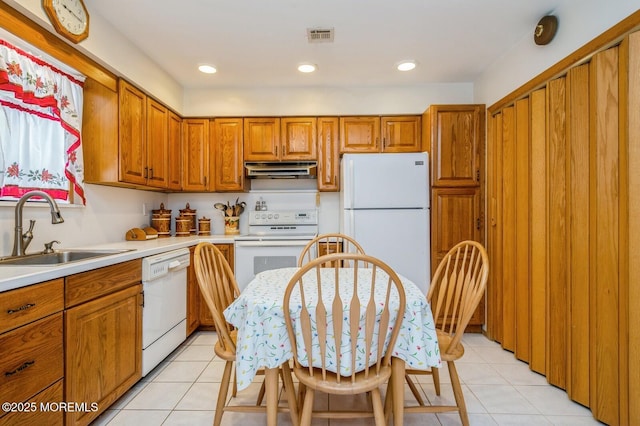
259	43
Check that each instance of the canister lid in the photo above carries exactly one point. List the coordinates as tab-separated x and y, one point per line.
161	210
188	210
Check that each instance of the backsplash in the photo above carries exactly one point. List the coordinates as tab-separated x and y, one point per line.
111	211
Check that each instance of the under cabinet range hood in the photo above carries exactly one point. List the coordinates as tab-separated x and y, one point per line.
281	170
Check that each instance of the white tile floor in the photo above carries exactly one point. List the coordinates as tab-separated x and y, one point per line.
498	390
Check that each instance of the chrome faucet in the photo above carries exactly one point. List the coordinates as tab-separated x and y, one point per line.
21	241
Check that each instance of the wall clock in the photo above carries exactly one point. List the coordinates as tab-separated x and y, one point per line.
70	18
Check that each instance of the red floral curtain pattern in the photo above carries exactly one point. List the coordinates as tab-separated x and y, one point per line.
40	126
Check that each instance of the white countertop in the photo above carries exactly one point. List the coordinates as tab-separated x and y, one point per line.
12	277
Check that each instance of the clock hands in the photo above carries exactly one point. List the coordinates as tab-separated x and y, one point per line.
72	12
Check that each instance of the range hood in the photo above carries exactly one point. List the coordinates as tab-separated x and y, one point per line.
281	170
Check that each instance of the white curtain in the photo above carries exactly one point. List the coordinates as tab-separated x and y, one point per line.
40	126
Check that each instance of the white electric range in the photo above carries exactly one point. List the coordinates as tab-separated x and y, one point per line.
275	240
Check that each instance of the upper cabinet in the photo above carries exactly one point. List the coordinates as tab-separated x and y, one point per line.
261	139
401	134
456	134
280	139
362	134
157	141
298	138
226	143
195	155
359	134
175	152
132	113
328	154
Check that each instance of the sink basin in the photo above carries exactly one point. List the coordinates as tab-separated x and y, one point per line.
59	257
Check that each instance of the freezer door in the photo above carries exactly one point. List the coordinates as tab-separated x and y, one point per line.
385	180
399	238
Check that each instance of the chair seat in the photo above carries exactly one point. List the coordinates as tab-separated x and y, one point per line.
444	340
345	387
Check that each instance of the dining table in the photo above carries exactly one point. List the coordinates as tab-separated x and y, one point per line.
263	342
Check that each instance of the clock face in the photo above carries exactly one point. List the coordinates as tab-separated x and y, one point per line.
71	14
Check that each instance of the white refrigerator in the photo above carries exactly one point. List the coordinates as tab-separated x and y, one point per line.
384	202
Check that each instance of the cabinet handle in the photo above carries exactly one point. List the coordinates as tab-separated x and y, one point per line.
151	173
24	366
205	181
146	172
478	223
478	175
276	151
21	308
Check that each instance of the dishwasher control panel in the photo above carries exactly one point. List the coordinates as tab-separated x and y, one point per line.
154	267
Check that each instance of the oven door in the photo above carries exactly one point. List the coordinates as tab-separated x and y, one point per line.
252	257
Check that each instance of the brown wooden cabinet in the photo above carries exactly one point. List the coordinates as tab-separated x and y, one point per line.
456	137
328	154
206	320
401	134
103	336
298	138
157	144
456	134
193	296
195	155
227	146
175	152
280	139
359	134
31	351
132	113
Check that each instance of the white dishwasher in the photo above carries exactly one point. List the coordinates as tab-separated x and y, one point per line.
164	313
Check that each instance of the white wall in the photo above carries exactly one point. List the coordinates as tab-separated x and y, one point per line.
578	23
109	213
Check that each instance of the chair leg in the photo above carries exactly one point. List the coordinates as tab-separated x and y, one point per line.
222	393
414	390
378	411
307	408
287	381
261	394
388	402
457	393
435	373
234	391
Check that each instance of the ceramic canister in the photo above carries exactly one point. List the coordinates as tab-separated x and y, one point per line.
204	226
161	221
191	214
183	226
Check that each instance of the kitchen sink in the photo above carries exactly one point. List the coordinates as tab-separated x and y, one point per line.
58	257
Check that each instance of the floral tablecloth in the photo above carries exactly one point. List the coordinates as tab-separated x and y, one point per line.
262	335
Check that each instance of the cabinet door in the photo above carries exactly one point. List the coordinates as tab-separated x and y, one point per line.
226	136
402	134
298	138
157	144
175	152
206	320
261	139
359	134
132	128
328	155
455	217
195	154
457	135
103	349
193	296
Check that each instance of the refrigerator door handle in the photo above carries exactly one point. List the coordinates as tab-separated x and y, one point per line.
352	188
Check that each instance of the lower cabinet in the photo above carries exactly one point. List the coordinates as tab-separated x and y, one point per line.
198	315
103	338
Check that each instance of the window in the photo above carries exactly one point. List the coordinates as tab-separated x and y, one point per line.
40	125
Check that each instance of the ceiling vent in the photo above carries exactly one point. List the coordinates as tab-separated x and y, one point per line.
320	35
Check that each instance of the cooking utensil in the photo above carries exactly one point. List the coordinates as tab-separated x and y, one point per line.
220	206
240	207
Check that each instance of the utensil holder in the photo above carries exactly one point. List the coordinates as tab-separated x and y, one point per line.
231	224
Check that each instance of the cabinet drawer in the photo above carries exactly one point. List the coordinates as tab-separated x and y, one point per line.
39	416
31	358
90	285
27	304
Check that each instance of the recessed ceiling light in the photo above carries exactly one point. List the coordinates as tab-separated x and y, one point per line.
306	68
406	65
207	69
